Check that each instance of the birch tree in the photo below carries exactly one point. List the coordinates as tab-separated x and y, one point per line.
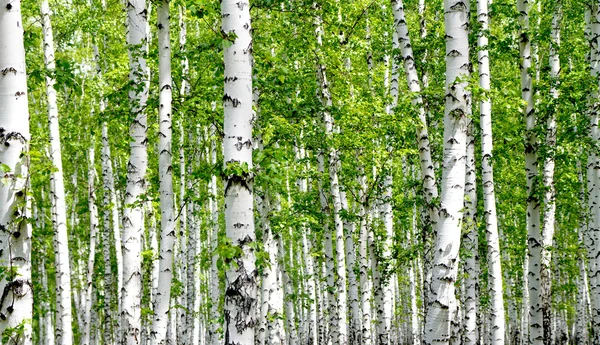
443	305
547	235
64	332
533	211
167	232
16	303
87	306
133	220
241	273
489	194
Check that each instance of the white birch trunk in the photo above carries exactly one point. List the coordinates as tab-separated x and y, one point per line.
328	257
443	305
87	305
64	332
353	297
525	302
111	233
415	331
133	219
241	274
471	244
593	169
582	322
214	222
340	331
365	282
271	330
16	303
312	321
162	298
533	209
47	324
489	196
548	182
107	206
430	189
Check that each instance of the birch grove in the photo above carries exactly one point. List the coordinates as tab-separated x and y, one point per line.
299	173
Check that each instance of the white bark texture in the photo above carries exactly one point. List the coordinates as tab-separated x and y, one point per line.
162	298
365	282
471	243
353	297
16	303
489	195
548	180
89	279
581	325
311	322
533	207
340	331
214	241
108	208
430	189
328	257
271	330
241	276
64	332
133	218
443	305
111	233
592	237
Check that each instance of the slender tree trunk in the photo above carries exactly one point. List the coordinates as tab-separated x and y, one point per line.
111	233
533	209
64	332
430	189
340	331
353	298
133	219
443	305
489	196
312	321
592	237
582	323
162	298
548	181
241	274
271	331
415	331
471	245
214	241
365	282
16	304
87	305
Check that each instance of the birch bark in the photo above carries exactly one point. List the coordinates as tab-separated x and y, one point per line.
593	169
471	244
533	209
64	332
111	233
443	305
87	305
430	189
489	195
14	138
365	282
133	219
353	297
165	172
548	181
241	275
